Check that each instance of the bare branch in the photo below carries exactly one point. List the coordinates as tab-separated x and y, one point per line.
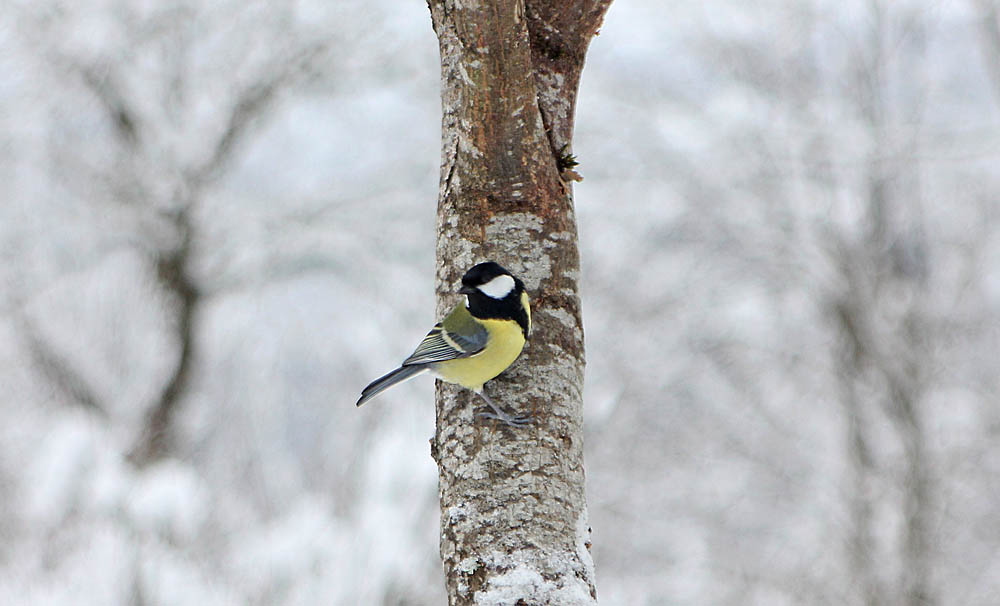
58	369
989	27
251	104
123	117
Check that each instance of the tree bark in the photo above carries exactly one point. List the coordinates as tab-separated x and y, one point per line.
514	524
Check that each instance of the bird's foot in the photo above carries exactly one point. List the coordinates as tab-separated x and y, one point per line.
500	415
510	420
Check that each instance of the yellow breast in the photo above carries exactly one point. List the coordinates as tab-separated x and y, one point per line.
504	345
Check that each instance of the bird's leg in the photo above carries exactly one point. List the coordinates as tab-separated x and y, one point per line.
501	415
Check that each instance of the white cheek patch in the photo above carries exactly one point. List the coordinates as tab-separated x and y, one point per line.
499	287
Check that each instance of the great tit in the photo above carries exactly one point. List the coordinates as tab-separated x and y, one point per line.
475	342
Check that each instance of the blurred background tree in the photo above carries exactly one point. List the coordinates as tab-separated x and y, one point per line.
790	274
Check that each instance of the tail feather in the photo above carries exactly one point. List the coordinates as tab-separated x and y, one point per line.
385	382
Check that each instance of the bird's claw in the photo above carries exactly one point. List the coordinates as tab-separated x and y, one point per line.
512	421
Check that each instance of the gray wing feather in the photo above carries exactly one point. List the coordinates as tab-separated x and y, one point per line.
440	345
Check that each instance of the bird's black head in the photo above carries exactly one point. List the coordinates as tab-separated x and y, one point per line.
495	293
490	279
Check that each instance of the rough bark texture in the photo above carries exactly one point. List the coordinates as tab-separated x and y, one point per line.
513	514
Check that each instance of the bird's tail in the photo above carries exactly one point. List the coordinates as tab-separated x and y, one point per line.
383	383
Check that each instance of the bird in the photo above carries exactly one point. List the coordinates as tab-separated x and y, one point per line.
475	342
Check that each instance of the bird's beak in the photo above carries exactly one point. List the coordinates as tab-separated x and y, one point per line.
466	290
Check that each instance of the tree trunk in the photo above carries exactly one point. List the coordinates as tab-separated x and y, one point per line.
513	514
156	440
862	556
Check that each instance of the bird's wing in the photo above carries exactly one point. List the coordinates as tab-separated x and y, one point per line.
467	338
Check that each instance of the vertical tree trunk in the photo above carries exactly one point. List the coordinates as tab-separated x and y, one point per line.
861	542
513	514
